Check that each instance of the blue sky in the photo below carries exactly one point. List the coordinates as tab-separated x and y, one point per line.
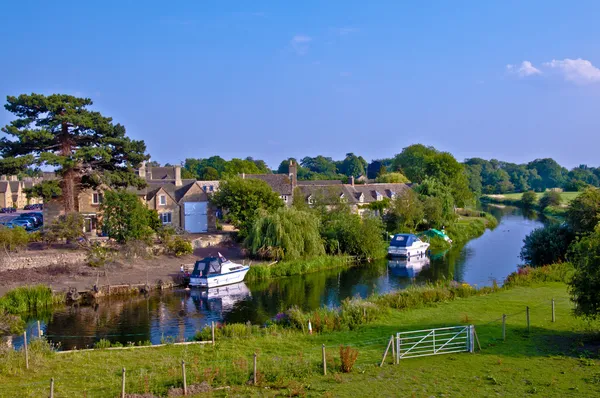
512	80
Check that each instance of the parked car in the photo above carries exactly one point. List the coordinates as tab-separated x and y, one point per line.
37	206
27	224
37	221
8	210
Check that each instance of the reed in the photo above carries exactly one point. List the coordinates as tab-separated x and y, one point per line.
37	298
296	267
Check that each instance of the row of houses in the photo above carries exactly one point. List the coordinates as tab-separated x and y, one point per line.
184	203
12	191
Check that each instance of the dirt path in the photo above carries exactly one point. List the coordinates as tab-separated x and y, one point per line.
83	277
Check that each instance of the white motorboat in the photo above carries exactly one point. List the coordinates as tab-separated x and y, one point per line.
407	245
217	271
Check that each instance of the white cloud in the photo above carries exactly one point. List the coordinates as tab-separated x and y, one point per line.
578	71
525	69
301	44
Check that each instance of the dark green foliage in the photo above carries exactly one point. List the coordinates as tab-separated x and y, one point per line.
242	198
59	131
430	187
46	190
551	174
125	218
547	245
13	239
216	168
285	233
29	299
348	233
388	178
68	227
261	272
353	166
585	285
528	199
550	198
405	212
10	324
583	214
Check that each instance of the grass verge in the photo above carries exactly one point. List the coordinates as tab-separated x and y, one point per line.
266	271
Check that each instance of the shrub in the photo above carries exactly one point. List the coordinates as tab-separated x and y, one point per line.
348	357
586	281
547	245
395	177
125	217
525	276
102	344
550	198
99	255
68	227
179	246
584	212
13	239
29	298
528	199
10	324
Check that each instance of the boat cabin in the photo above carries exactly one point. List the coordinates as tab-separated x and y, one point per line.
212	266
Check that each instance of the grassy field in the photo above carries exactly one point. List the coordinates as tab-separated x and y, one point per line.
554	360
567	197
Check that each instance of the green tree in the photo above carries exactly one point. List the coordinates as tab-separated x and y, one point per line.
547	245
241	198
585	284
433	211
209	174
126	218
353	166
388	178
405	212
285	233
84	147
583	214
412	161
430	187
551	174
550	198
528	199
68	227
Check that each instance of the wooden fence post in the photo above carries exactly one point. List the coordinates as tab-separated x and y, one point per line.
39	330
123	385
553	313
528	324
26	351
395	359
390	343
212	329
254	379
184	378
324	361
503	327
52	387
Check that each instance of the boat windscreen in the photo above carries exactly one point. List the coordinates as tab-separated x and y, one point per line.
403	240
207	266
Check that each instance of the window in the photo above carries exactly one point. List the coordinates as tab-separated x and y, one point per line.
166	218
162	200
284	198
205	188
97	198
212	188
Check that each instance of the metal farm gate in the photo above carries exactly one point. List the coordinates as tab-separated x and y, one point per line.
420	343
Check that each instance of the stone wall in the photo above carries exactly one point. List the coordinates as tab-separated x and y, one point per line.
209	240
35	260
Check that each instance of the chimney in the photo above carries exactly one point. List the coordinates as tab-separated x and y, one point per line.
178	181
293	173
142	170
14	178
351	180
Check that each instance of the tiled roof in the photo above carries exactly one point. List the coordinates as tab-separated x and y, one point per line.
353	193
162	173
14	185
3	186
319	182
279	182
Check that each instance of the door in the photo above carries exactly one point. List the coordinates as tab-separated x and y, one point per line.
195	217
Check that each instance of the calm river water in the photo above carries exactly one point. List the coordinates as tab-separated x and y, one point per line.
179	314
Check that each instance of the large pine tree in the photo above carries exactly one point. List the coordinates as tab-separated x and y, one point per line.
59	131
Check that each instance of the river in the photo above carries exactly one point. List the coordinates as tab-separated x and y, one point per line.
178	314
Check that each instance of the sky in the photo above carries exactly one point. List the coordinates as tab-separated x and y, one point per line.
511	80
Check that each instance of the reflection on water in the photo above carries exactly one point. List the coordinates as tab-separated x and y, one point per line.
180	313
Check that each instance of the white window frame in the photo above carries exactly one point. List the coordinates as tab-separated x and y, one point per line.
97	198
164	215
160	200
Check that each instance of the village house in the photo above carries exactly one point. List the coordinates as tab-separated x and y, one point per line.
357	196
180	203
13	191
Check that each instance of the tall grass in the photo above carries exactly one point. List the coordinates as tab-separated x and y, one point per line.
296	267
37	298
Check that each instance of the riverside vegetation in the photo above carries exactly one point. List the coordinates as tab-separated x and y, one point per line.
289	359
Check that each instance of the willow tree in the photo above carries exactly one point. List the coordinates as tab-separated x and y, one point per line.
59	131
285	233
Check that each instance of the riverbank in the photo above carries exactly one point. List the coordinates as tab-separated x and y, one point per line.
289	362
266	271
514	199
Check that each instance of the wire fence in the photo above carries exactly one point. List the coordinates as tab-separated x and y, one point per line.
220	367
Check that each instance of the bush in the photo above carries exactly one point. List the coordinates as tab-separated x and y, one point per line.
585	284
126	218
99	255
547	245
526	276
179	246
102	344
10	324
13	239
528	199
28	299
550	198
68	227
348	357
584	212
389	178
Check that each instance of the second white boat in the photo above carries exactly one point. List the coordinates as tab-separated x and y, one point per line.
217	271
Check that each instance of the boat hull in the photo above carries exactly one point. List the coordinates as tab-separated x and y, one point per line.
408	252
220	280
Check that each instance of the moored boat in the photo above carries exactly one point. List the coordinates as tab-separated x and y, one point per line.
217	271
407	245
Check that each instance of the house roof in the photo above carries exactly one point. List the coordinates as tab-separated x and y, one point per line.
319	182
176	192
15	185
279	182
162	173
353	193
4	186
